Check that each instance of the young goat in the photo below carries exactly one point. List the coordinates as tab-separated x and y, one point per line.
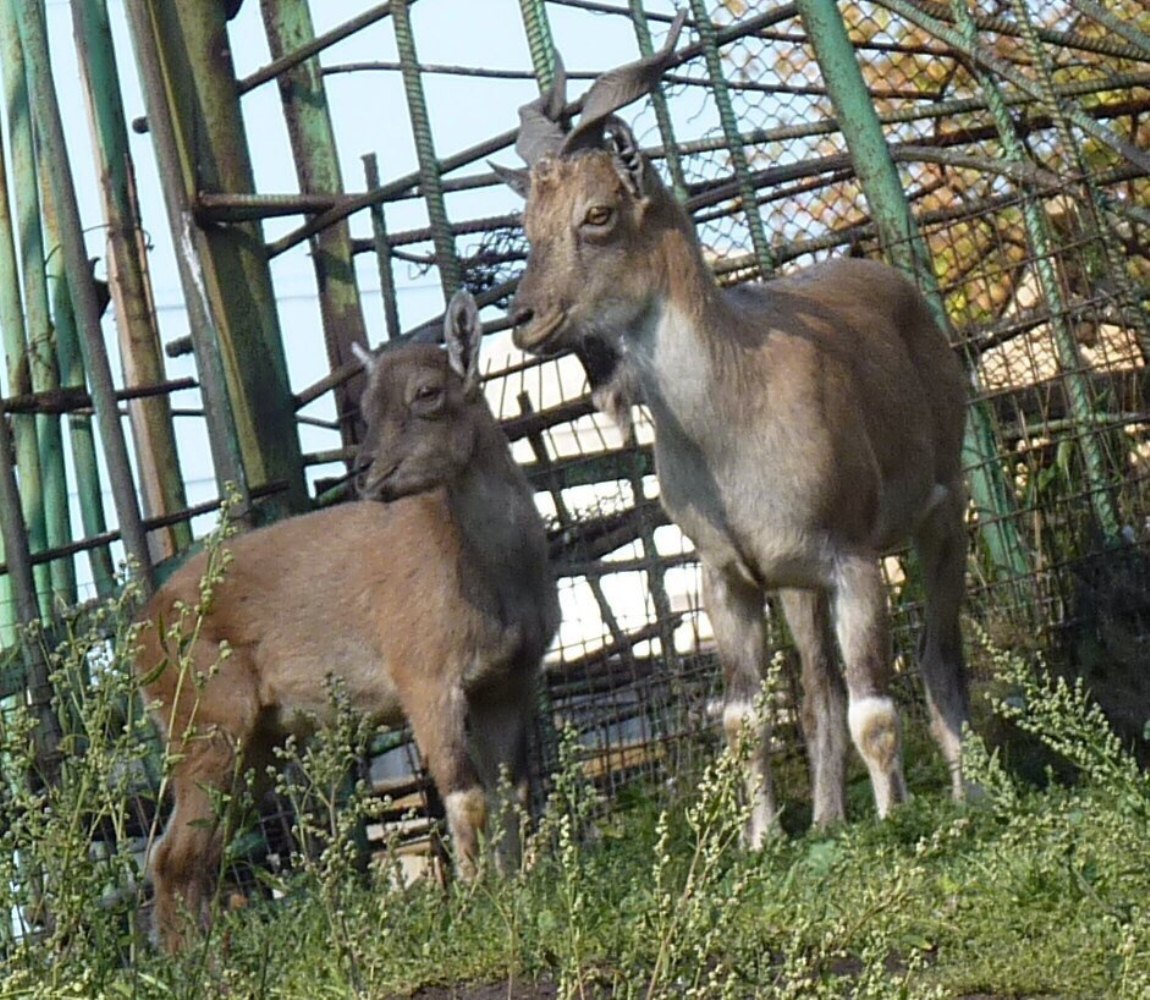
435	606
803	428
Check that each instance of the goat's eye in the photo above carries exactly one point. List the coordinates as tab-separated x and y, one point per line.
428	393
598	215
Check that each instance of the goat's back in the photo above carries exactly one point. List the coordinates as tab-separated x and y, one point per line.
895	351
379	595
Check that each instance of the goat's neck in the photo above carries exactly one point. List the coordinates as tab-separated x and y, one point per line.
492	506
677	349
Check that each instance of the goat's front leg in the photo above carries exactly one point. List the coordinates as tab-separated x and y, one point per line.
861	622
736	610
824	713
499	731
438	717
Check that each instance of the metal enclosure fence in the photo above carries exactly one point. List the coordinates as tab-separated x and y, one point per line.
996	149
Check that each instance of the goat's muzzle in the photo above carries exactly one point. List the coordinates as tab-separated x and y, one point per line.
531	333
372	484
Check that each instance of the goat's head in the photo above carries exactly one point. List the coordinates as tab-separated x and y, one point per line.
590	194
424	409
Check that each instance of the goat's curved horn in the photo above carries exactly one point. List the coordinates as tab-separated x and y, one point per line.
617	88
540	128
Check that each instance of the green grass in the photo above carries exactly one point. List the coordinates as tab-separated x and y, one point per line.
1022	893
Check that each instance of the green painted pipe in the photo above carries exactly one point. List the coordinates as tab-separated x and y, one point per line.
193	107
25	428
81	434
289	29
52	146
141	352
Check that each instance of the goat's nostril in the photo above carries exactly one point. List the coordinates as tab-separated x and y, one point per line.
522	315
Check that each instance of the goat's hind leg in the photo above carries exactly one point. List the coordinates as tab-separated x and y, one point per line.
941	547
737	612
862	625
186	862
824	710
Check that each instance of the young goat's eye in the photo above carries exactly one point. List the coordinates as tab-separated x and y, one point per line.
598	215
428	393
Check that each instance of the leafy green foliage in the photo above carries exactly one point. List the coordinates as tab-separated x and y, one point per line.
1021	892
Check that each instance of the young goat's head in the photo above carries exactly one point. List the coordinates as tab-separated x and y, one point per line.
595	214
424	409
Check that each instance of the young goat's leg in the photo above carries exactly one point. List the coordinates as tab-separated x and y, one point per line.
861	623
438	718
736	610
499	733
941	546
824	713
186	862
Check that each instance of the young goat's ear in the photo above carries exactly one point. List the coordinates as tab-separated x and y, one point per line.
519	180
462	332
629	161
369	359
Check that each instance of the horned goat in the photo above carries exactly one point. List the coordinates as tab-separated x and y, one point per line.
803	428
434	606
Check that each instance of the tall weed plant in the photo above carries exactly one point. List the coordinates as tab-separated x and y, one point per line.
1020	892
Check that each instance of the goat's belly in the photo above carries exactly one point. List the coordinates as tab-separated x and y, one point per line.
299	689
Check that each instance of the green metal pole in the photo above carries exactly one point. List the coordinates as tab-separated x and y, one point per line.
1093	207
539	42
219	418
141	353
430	180
20	361
84	458
41	338
1065	346
50	134
187	70
289	27
659	103
722	95
884	193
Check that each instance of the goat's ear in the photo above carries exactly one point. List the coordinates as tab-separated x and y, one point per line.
462	332
629	161
369	359
519	180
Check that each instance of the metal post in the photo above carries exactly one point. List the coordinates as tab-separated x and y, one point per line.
50	131
430	179
741	169
25	427
84	458
289	27
189	81
140	350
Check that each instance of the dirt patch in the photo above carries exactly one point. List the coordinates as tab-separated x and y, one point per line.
486	991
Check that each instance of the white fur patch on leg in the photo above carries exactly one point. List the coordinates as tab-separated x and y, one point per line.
736	715
741	721
875	729
466	817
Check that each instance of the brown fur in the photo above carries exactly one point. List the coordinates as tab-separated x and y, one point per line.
435	607
803	428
